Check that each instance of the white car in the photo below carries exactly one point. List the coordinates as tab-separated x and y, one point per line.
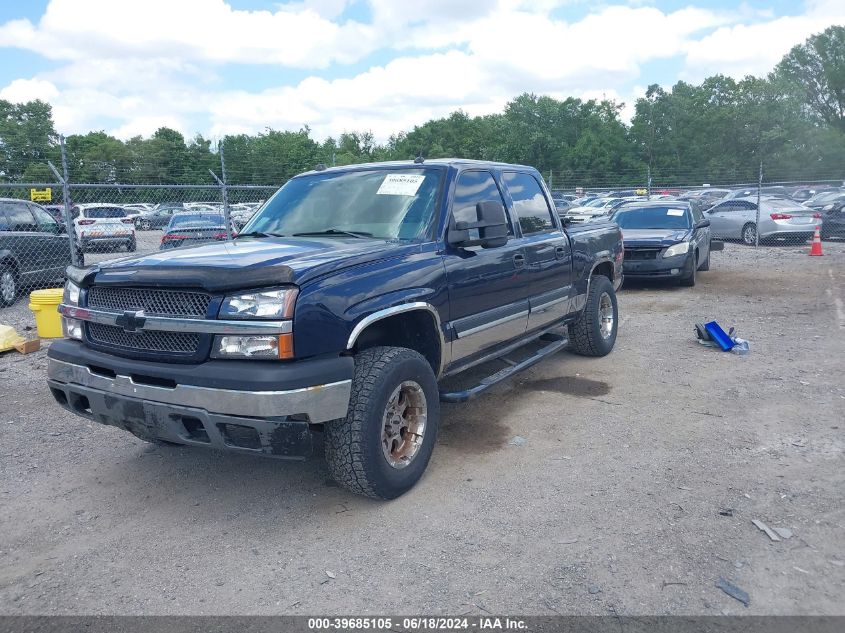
104	226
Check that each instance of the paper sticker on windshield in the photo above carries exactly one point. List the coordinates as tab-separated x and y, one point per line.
400	185
674	211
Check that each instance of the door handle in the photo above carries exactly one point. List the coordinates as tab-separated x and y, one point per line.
560	252
518	260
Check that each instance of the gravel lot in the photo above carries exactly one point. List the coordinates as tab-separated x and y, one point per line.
584	486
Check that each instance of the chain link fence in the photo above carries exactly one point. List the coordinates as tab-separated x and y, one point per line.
45	226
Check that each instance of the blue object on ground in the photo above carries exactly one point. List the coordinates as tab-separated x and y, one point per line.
719	335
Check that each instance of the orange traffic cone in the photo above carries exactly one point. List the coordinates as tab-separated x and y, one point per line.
816	248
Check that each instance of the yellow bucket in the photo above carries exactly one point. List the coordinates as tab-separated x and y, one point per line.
44	304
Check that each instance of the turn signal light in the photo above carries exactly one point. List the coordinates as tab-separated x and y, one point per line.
286	346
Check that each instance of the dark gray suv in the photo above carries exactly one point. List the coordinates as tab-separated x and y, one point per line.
34	249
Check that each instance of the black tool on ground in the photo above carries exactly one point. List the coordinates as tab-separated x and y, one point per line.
701	332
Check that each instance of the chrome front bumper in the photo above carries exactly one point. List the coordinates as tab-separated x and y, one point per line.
320	403
274	423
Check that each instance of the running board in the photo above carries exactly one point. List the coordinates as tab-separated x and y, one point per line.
558	343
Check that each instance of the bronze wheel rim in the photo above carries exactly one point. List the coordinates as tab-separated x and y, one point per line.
403	424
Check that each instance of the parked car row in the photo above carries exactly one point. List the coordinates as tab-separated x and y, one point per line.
733	212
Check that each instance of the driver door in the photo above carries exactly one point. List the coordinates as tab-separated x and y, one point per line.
487	290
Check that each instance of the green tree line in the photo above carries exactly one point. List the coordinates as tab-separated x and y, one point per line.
793	120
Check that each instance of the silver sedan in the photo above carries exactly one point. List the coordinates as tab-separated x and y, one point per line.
779	219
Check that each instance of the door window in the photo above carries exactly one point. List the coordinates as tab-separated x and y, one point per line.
19	217
474	187
44	220
529	203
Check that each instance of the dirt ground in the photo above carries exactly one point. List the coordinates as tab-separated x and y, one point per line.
623	485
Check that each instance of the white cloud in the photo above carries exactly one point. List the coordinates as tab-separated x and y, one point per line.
22	90
208	30
129	67
755	48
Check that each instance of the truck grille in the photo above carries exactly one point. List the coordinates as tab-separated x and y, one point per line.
148	341
640	254
153	301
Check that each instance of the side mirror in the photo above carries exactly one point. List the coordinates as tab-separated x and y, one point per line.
492	225
702	224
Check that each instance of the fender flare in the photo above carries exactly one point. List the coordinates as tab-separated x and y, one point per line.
415	306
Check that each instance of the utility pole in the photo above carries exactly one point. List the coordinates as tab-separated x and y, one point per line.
224	193
759	192
69	226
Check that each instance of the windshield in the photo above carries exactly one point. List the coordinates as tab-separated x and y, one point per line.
597	202
653	218
105	212
196	221
383	203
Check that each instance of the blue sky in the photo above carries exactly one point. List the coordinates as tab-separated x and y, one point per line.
228	66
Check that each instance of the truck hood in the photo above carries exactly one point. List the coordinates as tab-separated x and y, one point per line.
244	263
653	237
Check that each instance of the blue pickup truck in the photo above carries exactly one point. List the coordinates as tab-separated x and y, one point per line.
345	308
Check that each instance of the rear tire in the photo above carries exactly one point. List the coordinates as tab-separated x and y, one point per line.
594	333
369	452
9	288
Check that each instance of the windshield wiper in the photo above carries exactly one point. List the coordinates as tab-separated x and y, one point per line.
334	232
259	234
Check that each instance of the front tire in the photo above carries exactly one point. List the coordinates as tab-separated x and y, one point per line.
749	234
8	285
689	279
705	265
383	446
594	333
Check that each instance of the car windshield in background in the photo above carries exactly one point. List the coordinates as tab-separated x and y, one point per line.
652	218
387	204
197	221
105	212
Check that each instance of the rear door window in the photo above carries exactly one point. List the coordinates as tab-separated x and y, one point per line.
530	204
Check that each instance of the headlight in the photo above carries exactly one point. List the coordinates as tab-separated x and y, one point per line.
828	207
72	328
678	249
259	347
264	304
71	294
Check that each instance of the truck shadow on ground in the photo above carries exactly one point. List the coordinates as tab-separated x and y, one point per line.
475	427
186	479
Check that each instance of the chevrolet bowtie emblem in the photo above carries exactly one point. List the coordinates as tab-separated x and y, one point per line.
131	321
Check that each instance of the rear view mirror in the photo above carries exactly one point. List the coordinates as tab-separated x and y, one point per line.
492	225
702	224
